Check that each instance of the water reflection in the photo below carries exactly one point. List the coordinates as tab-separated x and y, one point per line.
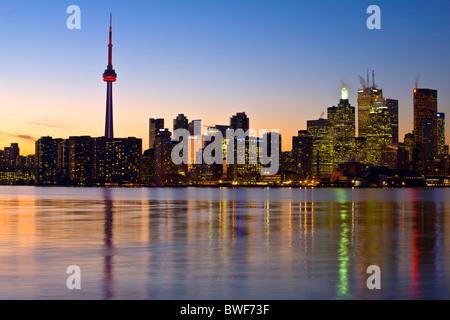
109	247
225	243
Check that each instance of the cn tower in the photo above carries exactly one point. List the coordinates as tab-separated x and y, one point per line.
109	76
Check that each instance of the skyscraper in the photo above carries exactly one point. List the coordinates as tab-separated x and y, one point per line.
410	144
392	107
154	126
322	157
180	122
238	171
378	133
12	154
240	121
302	151
45	160
80	159
109	76
342	121
165	169
272	150
366	98
425	111
440	118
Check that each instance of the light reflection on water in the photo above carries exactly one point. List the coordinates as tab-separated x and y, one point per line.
209	243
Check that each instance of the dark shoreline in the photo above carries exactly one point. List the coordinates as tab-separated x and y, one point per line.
224	186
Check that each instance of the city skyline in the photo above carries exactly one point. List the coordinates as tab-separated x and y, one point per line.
285	98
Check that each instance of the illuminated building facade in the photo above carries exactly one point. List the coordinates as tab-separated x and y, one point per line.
148	166
116	161
248	171
88	161
80	159
394	156
410	145
62	160
166	172
366	100
302	153
271	150
323	149
14	168
361	149
11	155
378	133
392	106
154	126
342	121
46	160
425	124
440	122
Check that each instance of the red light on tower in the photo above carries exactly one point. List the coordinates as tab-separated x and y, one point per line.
415	90
109	78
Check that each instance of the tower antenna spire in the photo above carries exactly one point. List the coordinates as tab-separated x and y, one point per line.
368	82
109	76
373	78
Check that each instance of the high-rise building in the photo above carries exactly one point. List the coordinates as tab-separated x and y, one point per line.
378	133
154	126
394	156
361	149
246	171
425	124
322	154
12	154
302	153
220	169
148	166
271	150
165	169
342	121
109	76
195	127
240	121
180	122
116	161
410	144
80	159
440	119
245	168
62	161
46	160
366	100
195	143
392	106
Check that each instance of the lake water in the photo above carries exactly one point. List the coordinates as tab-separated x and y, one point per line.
224	244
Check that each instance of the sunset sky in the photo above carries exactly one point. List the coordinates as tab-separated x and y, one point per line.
282	62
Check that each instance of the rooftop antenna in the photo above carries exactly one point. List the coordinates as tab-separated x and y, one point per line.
373	78
368	83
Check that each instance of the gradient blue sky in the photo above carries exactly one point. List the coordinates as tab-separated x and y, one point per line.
282	62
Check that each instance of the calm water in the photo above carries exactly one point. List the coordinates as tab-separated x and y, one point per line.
201	243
